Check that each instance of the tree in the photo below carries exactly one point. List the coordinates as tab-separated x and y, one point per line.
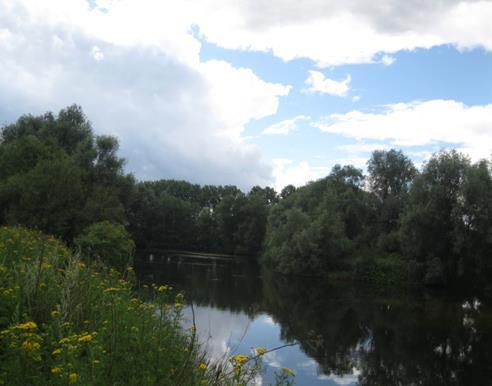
50	197
390	173
433	226
56	175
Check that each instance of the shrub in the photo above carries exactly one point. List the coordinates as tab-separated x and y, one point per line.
110	243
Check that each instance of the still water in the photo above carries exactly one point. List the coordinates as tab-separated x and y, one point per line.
346	335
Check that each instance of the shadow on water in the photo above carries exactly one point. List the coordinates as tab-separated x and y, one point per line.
383	338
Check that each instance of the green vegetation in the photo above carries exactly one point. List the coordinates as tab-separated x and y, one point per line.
63	321
106	242
435	227
432	226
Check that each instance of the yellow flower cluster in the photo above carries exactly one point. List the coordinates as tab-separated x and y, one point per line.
288	371
73	377
86	337
30	346
240	359
56	370
260	350
56	352
26	326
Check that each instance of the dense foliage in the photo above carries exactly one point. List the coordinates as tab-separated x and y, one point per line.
57	176
433	226
108	243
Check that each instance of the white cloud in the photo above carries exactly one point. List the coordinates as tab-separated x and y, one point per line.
420	123
318	83
176	117
286	172
361	147
387	60
97	54
237	95
286	126
356	98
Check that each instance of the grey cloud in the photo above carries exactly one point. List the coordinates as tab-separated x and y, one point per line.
385	15
156	105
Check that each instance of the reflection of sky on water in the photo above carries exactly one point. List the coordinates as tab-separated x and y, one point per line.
226	333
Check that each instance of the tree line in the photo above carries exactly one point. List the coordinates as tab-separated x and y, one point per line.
58	176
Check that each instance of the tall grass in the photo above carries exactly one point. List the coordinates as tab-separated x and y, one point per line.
63	321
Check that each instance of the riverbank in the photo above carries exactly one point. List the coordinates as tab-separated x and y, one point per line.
65	321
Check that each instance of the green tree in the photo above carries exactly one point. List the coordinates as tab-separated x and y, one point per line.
390	173
433	226
110	243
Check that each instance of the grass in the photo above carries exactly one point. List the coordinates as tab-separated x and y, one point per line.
64	321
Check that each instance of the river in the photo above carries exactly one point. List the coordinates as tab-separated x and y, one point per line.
343	334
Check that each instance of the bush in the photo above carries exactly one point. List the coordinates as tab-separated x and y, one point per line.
110	243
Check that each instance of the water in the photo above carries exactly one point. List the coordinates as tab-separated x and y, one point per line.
346	335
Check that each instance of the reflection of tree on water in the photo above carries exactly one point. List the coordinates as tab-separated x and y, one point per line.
221	284
390	339
398	340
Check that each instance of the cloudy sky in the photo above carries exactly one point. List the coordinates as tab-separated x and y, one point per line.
266	92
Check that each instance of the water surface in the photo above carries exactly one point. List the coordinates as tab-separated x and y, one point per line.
346	334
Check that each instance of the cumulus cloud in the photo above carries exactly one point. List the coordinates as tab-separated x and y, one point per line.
286	172
318	83
135	70
333	32
286	126
419	123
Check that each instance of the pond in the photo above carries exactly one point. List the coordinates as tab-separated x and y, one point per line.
343	334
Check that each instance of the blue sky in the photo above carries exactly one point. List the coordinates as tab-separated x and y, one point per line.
252	92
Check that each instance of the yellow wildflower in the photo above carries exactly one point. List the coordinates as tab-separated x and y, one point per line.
56	352
29	346
288	371
260	350
56	370
240	358
27	326
85	338
203	366
55	314
162	288
72	377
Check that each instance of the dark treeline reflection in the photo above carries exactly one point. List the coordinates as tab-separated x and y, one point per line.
391	339
388	338
221	284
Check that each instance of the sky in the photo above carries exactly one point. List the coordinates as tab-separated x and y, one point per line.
255	92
